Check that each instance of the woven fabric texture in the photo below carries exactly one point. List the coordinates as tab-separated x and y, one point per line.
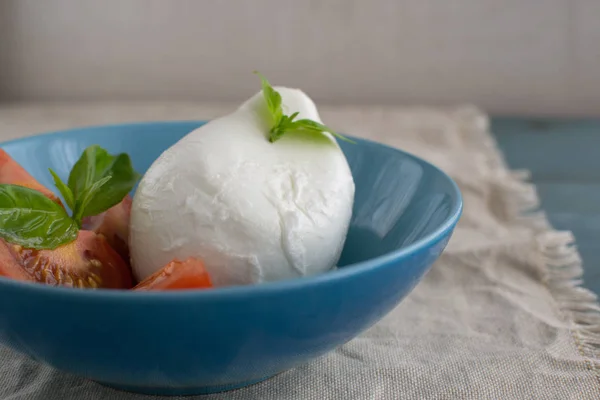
500	316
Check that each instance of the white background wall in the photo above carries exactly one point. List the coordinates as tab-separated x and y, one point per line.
508	56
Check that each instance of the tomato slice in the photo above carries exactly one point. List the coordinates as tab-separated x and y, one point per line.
114	225
9	267
178	275
12	173
88	262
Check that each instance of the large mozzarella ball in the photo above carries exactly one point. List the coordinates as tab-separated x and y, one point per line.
251	210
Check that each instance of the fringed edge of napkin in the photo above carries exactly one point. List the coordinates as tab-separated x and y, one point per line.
561	264
562	270
578	304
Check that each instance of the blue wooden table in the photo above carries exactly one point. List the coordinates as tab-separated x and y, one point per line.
564	158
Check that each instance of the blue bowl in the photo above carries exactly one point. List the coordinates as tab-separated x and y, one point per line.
194	342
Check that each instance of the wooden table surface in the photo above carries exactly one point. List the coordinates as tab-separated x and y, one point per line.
564	159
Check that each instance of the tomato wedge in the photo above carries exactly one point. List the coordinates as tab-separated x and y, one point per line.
9	267
12	173
88	262
114	225
178	275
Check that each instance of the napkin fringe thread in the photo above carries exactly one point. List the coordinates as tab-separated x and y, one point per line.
562	267
562	270
579	306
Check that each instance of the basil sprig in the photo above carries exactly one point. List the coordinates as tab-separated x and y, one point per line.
283	124
97	182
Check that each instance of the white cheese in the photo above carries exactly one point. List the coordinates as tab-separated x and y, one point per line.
251	210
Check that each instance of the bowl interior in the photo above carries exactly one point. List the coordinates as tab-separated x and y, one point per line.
399	199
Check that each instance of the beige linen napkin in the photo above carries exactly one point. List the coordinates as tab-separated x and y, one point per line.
500	316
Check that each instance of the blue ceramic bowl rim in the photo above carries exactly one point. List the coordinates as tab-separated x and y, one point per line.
251	290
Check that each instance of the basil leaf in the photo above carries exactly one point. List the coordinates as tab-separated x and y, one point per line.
278	130
82	206
64	189
90	167
308	125
283	123
30	219
94	165
272	98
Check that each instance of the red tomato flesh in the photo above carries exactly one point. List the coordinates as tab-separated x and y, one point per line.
9	267
178	275
88	262
114	225
13	174
96	258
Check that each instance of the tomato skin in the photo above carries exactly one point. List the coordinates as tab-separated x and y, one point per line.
88	262
12	173
114	225
178	275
